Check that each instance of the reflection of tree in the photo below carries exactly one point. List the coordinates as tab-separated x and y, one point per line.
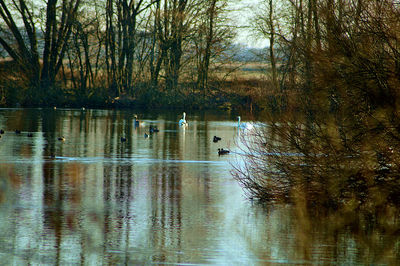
323	164
88	206
62	200
338	135
345	160
179	196
336	143
166	211
287	233
9	181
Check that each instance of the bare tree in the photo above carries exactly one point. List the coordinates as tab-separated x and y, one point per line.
175	17
56	38
174	22
24	52
123	18
337	141
158	46
211	38
58	26
204	53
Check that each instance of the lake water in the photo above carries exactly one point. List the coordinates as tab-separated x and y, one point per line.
165	199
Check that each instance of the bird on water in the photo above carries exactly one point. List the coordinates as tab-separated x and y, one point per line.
216	139
244	125
136	121
222	151
153	129
183	122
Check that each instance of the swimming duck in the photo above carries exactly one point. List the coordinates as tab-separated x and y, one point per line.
136	121
123	139
216	139
222	151
1	131
146	135
61	138
153	129
17	131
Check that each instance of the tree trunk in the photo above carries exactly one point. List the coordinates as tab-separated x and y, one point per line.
56	36
56	39
175	52
205	56
272	45
110	50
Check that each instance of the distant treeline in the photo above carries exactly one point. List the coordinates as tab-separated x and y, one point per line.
86	51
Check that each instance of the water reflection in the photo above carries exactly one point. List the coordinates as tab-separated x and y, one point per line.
166	199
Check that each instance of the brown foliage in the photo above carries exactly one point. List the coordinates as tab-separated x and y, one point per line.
337	143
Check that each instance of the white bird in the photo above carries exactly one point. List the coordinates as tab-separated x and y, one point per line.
244	125
183	122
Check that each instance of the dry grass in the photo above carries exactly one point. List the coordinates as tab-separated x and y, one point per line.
240	71
237	84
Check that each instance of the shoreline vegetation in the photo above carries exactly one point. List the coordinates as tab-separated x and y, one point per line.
330	82
242	89
109	53
334	146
